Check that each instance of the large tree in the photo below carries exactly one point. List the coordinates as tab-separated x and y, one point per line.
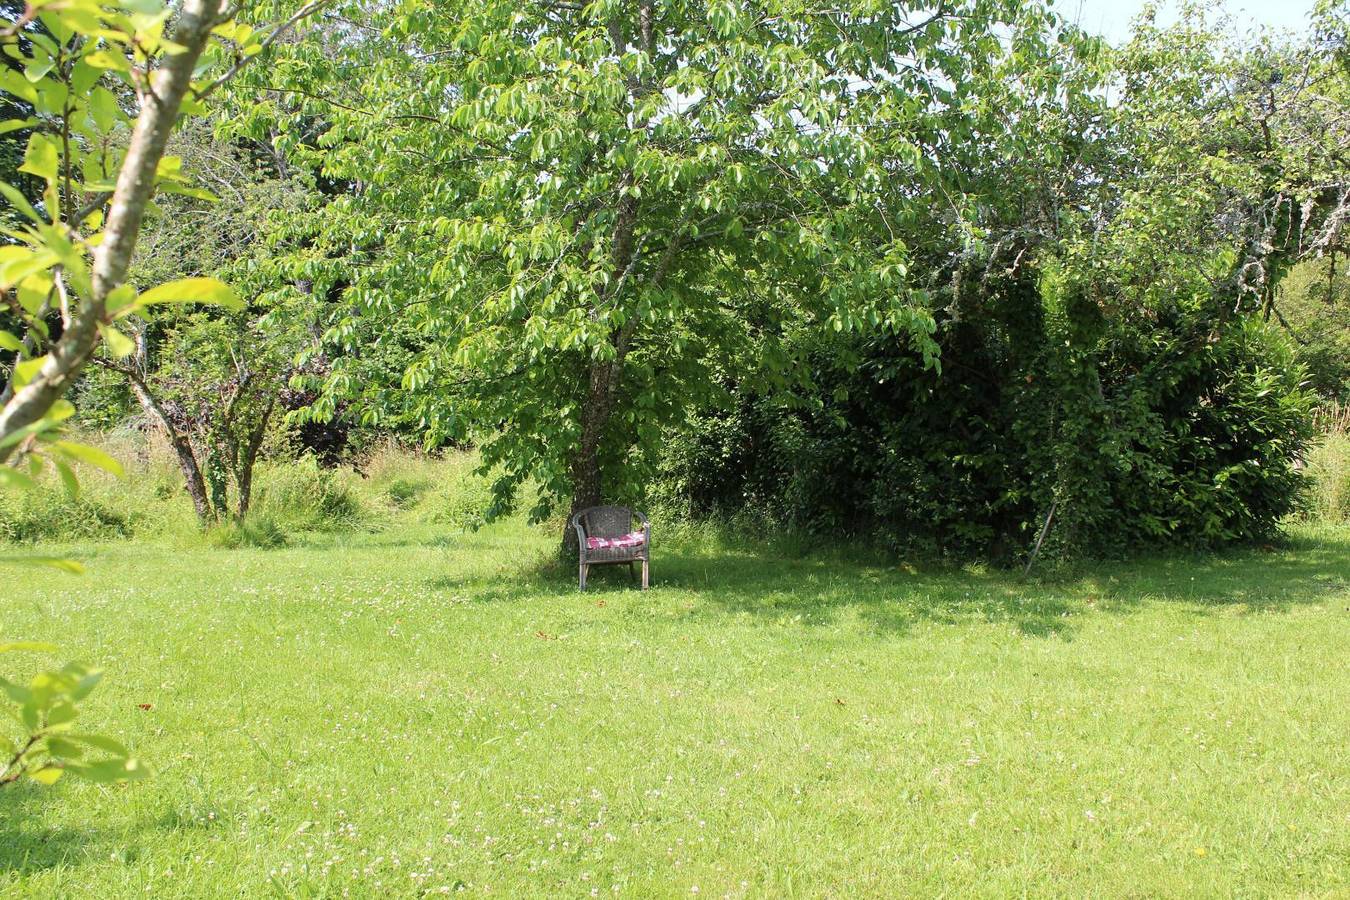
585	214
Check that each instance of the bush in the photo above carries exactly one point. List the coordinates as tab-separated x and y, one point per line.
1180	427
50	514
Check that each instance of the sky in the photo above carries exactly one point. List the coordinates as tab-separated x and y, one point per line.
1111	18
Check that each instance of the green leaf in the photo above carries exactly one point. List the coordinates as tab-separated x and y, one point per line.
192	290
41	158
37	69
101	742
47	775
106	59
90	455
12	82
33	292
9	341
16	692
51	562
103	108
119	345
120	298
68	479
63	713
13	478
19	265
110	770
88	681
20	434
61	410
28	713
189	191
58	745
16	125
27	370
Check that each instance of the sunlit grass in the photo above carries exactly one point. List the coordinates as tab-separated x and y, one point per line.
421	710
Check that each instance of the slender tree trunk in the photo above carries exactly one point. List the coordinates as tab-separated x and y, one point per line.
182	448
243	476
587	487
135	183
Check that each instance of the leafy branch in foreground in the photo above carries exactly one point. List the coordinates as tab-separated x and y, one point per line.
48	745
64	280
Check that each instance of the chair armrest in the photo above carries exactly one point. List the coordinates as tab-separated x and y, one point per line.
646	528
581	534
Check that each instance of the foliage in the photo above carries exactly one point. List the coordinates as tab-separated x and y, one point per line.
47	745
1315	307
81	62
57	515
1106	366
591	186
215	382
1147	435
78	66
296	495
303	495
462	499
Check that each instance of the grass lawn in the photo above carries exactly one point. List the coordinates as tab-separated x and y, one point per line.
420	711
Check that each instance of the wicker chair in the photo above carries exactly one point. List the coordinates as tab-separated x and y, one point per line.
611	522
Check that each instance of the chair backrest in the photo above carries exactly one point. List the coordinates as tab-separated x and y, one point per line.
607	521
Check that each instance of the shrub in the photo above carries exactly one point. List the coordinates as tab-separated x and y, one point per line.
1180	427
50	514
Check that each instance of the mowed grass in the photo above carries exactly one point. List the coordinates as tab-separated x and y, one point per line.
424	711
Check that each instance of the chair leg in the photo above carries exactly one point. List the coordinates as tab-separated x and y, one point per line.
644	574
631	576
582	575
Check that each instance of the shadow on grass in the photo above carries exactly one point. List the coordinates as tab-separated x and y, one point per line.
771	584
26	848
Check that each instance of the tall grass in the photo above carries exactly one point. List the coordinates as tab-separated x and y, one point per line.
291	496
1328	466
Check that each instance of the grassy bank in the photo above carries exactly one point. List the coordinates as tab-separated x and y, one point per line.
419	709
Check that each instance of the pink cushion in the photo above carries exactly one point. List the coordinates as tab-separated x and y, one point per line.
632	539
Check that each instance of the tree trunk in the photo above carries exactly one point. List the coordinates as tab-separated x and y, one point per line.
243	476
182	448
587	485
187	460
135	184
